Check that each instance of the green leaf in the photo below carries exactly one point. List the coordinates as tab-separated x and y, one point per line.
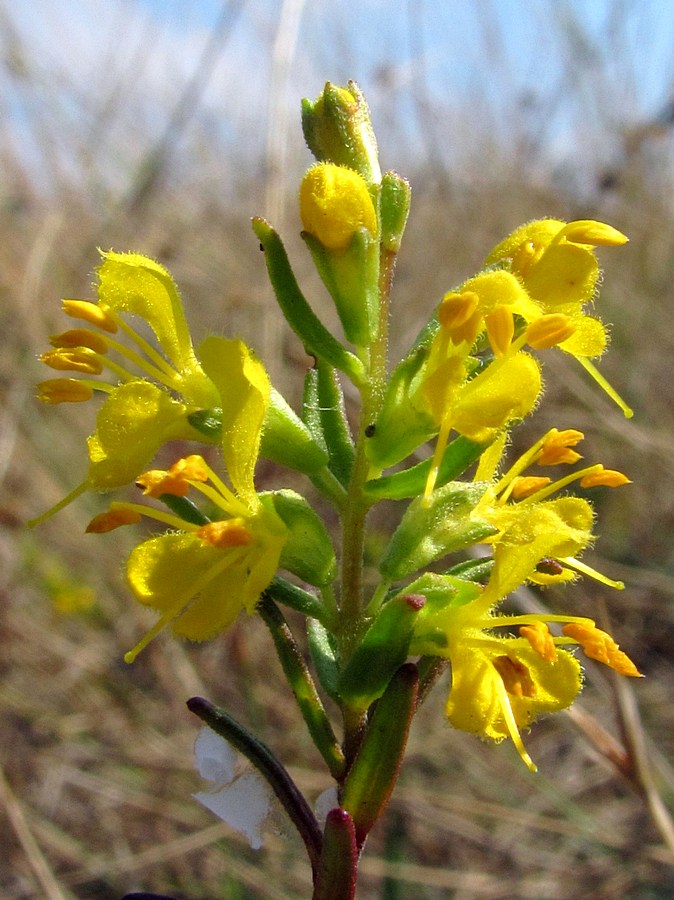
335	423
382	650
294	306
323	649
374	772
460	454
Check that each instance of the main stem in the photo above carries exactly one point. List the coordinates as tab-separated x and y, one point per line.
357	506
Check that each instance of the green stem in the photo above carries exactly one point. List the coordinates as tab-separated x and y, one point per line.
268	765
303	687
353	522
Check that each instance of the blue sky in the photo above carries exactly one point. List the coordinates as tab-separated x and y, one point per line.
566	74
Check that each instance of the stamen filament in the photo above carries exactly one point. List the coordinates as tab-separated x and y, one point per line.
584	569
511	724
556	486
223	498
593	372
440	447
164	374
146	347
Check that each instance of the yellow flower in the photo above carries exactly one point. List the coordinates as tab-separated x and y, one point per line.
538	539
335	203
501	682
154	387
479	407
558	267
201	575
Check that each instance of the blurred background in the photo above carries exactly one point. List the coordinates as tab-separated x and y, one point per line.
162	126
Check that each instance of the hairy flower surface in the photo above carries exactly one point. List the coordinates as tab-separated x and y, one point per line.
198	576
538	539
501	682
556	263
202	574
154	385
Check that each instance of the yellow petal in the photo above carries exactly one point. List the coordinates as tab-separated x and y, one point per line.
136	419
564	278
245	389
508	389
131	283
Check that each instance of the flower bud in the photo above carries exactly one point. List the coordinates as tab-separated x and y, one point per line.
394	205
341	231
334	204
337	129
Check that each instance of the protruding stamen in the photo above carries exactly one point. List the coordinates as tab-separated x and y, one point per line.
500	326
525	486
80	337
115	517
599	645
78	359
549	331
456	309
538	635
64	390
92	313
594	234
555	449
606	477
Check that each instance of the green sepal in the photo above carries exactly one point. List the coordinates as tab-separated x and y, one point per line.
307	326
400	428
207	422
458	455
433	527
374	771
307	552
286	440
478	570
351	277
394	206
325	416
382	650
440	592
335	423
324	654
297	598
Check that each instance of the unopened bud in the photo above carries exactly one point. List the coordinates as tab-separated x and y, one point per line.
337	129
